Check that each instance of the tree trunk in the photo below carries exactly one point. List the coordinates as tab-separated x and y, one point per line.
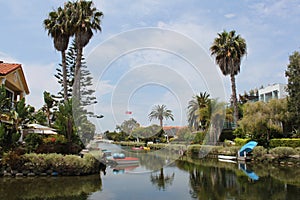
64	70
234	100
77	74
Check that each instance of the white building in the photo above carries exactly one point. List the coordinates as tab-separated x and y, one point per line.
275	91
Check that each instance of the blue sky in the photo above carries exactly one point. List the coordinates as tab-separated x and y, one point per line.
136	67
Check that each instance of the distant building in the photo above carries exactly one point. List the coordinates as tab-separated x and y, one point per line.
275	91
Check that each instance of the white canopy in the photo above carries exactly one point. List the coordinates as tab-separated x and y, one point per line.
37	128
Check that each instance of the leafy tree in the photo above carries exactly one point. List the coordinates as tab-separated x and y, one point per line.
160	112
293	75
72	122
10	130
263	121
64	122
228	49
149	133
128	126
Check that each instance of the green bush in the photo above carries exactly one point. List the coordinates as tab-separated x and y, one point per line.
283	152
259	152
241	141
285	142
199	137
66	165
32	141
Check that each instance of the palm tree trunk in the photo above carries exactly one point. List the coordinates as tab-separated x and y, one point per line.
77	74
161	123
64	70
234	100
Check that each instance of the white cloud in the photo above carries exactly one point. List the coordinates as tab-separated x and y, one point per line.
229	15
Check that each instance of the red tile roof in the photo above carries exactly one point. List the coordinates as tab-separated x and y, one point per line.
6	68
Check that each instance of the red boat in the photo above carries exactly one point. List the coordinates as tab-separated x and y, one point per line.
121	159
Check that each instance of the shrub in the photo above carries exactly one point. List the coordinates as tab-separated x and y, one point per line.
68	148
58	139
283	152
32	141
241	141
12	159
285	142
199	137
67	165
259	152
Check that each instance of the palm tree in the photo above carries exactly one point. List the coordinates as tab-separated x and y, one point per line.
59	30
84	19
199	111
228	49
160	112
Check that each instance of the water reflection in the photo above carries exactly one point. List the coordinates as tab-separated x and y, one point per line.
49	187
210	180
185	179
161	180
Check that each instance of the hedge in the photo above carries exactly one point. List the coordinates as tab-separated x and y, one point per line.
41	163
241	141
285	142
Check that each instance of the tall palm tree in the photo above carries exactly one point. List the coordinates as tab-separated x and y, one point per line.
161	112
59	30
84	20
199	111
228	49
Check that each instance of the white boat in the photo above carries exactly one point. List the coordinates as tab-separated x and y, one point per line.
223	157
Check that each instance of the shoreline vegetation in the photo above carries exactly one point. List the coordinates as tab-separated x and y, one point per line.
52	164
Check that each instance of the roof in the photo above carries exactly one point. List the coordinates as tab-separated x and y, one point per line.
6	68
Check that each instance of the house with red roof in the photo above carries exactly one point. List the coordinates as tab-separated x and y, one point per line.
13	78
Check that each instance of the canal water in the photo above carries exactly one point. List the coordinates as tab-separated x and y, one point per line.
181	179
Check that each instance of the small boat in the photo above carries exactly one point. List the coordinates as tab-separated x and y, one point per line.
227	157
121	159
140	148
137	148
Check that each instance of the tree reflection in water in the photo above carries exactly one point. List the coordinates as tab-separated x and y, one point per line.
209	180
73	188
162	181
